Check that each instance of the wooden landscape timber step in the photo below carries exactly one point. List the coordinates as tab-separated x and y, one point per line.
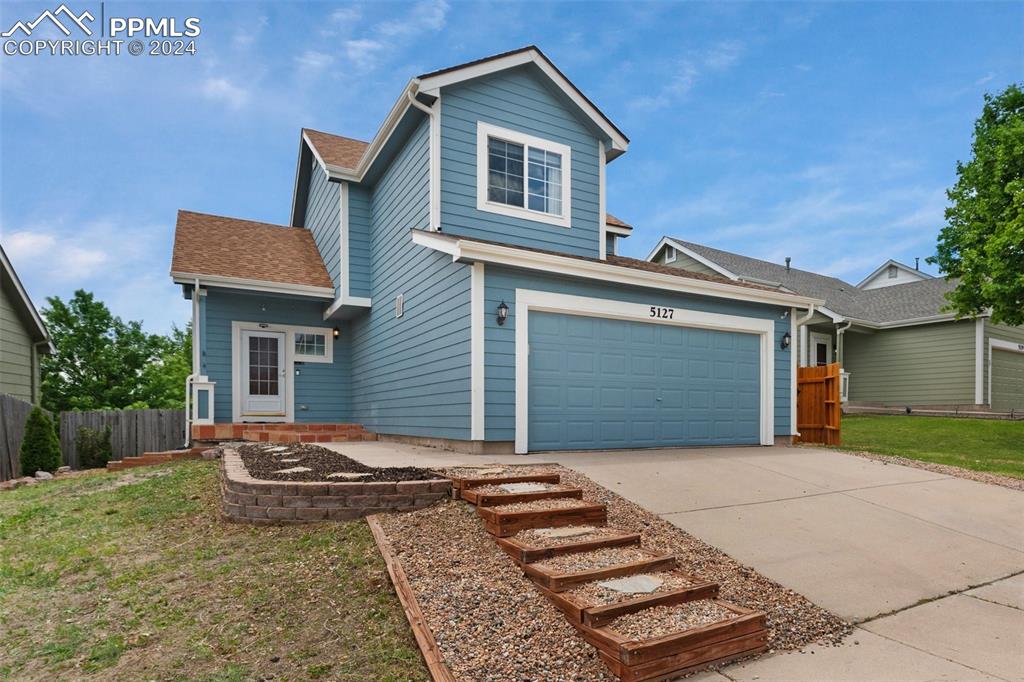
472	496
559	581
151	458
506	523
524	553
283	436
663	657
460	483
581	612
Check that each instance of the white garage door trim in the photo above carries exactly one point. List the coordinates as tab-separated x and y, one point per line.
544	301
999	344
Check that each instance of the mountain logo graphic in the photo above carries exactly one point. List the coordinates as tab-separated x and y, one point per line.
53	16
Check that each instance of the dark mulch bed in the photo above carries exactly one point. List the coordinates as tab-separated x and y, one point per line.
263	460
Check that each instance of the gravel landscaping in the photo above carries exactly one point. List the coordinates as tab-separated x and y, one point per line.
308	462
665	620
540	505
593	594
498	471
498	490
489	621
594	559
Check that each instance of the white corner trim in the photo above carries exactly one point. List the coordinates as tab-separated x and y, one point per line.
979	361
343	272
432	84
468	250
477	349
253	285
602	246
486	130
528	300
435	165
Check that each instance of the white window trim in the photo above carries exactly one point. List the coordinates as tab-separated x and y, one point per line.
815	337
671	253
328	335
486	130
529	300
237	328
999	344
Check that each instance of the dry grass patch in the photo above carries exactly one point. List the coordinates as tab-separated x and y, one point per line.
144	581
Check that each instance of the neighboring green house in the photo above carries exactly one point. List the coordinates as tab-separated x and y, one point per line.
895	343
23	336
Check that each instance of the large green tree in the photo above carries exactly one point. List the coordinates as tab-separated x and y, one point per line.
982	244
103	362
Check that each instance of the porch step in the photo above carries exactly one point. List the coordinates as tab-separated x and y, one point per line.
151	458
281	436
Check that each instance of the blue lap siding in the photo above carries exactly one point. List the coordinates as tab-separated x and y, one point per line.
323	388
323	221
500	284
517	100
411	374
359	241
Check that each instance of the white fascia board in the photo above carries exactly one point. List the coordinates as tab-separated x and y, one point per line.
472	251
353	301
26	301
433	84
931	319
621	231
253	285
901	266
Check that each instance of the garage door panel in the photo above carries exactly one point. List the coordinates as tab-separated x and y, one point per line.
619	384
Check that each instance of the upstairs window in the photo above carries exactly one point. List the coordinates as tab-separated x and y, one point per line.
523	176
670	254
893	272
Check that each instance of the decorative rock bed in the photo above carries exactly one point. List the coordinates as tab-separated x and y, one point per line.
272	502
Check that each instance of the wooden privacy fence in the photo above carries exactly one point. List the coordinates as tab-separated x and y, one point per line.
133	432
13	413
818	413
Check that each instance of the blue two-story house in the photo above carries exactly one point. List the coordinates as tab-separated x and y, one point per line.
455	281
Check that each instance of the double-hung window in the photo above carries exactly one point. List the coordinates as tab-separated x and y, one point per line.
523	176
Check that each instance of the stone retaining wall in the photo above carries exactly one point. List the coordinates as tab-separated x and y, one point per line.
251	500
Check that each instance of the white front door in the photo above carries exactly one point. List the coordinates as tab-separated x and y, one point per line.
264	374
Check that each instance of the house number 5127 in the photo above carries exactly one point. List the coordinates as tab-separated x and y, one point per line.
662	313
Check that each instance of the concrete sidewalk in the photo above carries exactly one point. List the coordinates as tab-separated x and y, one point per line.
930	567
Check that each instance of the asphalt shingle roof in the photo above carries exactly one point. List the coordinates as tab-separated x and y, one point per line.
228	247
886	304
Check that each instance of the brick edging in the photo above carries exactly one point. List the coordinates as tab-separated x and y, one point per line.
251	500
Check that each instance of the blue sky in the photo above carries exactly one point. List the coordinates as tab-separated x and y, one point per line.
825	132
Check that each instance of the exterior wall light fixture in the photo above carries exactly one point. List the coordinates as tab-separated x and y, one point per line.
502	313
336	332
786	340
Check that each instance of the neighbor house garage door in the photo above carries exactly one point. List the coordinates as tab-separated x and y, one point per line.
1007	380
597	383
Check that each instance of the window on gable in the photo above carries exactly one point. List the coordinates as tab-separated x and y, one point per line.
523	176
670	254
892	272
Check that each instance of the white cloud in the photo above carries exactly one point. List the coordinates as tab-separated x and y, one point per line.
312	60
683	75
985	79
224	91
246	36
346	15
364	52
427	15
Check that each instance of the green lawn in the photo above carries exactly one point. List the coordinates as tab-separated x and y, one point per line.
133	576
992	445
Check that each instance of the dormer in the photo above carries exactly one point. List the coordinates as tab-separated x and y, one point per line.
891	273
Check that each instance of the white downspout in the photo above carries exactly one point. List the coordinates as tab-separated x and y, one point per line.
799	324
839	342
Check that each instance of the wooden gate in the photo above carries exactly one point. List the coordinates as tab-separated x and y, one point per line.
817	404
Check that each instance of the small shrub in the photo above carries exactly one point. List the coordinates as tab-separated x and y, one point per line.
40	450
93	447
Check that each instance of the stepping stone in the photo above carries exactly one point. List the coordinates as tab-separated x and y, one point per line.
293	470
523	487
347	476
489	472
280	448
566	532
291	460
633	584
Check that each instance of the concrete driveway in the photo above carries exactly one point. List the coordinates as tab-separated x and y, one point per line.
931	568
